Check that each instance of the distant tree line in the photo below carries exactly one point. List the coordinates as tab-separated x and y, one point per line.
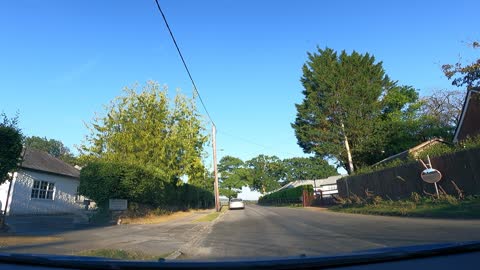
267	173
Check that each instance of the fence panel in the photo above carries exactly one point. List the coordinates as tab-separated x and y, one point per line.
399	182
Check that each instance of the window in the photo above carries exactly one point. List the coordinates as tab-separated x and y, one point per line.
78	197
42	190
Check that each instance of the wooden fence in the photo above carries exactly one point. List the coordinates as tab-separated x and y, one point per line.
399	182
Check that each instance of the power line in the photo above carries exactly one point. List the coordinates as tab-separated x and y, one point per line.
252	142
184	63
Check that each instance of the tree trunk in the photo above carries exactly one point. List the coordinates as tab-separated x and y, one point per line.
349	153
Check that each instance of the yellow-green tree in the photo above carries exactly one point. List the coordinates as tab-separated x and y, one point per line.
148	129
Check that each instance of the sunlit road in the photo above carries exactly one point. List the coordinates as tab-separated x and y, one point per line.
280	231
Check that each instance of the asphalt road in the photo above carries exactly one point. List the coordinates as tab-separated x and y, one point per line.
278	231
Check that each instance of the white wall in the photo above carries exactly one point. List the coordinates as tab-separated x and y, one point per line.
3	195
63	197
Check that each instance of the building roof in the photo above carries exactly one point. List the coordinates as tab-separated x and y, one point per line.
414	150
42	161
317	182
469	126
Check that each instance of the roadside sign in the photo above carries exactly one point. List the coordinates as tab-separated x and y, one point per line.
431	175
117	204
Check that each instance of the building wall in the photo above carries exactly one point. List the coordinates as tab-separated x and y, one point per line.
63	196
471	123
3	195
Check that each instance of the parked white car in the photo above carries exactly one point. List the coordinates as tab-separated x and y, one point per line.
236	204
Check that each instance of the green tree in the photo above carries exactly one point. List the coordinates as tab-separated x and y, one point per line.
354	113
10	146
465	74
233	176
300	168
54	147
147	129
340	105
265	173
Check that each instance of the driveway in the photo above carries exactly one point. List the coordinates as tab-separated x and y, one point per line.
154	239
280	231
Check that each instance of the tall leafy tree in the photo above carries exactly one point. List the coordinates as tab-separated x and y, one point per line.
54	147
265	173
300	168
340	105
146	128
233	176
354	113
10	146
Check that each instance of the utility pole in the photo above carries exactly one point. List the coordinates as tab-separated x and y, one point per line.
215	172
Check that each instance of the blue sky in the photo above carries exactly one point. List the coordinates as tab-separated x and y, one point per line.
60	61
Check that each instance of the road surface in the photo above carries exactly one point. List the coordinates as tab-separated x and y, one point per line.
280	231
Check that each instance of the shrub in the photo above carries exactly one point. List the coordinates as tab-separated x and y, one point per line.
377	200
101	181
415	197
437	150
286	196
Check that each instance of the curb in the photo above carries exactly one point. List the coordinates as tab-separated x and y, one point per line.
202	230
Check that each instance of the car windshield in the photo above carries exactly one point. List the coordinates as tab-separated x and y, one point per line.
140	130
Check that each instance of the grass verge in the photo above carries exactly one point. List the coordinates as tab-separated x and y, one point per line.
121	254
154	219
15	240
212	216
447	207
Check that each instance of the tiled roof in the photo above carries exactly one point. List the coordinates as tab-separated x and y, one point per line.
42	161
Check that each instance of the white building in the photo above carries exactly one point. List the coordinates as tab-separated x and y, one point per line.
326	187
42	185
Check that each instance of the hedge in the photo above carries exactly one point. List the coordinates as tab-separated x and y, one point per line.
285	196
101	181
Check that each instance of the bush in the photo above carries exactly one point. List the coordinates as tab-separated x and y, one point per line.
101	181
11	146
437	150
286	196
415	197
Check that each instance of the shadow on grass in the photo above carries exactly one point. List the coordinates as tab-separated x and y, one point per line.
465	209
122	254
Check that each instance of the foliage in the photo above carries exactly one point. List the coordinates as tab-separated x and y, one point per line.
54	147
233	176
285	196
383	166
349	97
265	172
104	180
469	143
464	74
300	168
436	150
11	146
146	128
